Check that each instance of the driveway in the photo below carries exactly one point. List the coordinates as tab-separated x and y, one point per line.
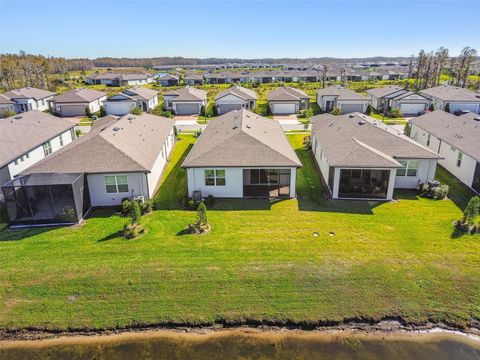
285	117
185	117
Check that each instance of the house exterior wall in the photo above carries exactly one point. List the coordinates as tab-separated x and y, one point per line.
321	160
231	99
22	105
464	172
154	176
38	154
233	183
6	107
425	172
439	104
137	185
168	102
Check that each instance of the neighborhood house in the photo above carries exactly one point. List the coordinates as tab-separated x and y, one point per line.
185	101
139	97
452	98
286	100
119	158
25	99
29	137
168	80
235	98
344	99
456	139
76	102
361	158
391	97
242	155
114	79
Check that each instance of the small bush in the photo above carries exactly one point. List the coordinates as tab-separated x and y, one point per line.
447	107
78	132
440	192
8	114
103	112
369	109
88	113
202	214
136	111
306	114
126	207
336	111
395	113
431	108
472	210
408	129
147	206
132	231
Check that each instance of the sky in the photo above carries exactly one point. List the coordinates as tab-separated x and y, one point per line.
237	29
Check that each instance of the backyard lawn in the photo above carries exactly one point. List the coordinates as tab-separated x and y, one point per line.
259	262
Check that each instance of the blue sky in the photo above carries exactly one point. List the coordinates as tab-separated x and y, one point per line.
246	29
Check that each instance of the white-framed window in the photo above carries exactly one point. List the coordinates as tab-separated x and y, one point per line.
47	148
410	168
27	155
16	162
459	159
215	177
116	184
60	138
428	139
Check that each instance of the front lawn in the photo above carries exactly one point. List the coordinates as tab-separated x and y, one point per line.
260	262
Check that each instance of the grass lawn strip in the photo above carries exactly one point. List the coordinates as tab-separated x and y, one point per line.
259	262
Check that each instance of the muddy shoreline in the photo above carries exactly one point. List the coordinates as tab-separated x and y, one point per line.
385	327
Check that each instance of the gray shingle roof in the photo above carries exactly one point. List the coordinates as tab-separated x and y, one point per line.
286	93
357	140
141	93
26	131
341	93
28	93
451	93
193	76
187	93
130	143
461	132
239	91
119	76
79	96
384	91
5	100
241	138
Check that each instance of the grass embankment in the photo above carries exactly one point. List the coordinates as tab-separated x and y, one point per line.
260	262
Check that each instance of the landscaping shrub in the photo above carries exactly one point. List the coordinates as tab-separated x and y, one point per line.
8	114
447	107
431	108
147	206
103	112
336	111
440	192
369	110
407	130
78	132
136	111
471	211
306	114
88	113
132	231
201	226
395	113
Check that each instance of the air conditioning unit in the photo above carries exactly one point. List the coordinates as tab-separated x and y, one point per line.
139	198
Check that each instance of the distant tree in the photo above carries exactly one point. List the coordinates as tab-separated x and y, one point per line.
323	75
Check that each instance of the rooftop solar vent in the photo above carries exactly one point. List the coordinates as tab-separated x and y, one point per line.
361	122
116	128
131	118
18	117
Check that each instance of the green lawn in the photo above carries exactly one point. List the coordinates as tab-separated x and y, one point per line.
260	262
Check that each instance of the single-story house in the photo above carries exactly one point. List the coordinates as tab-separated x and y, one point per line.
361	158
29	137
242	155
344	99
235	98
457	98
287	100
138	97
456	139
193	79
120	158
75	102
185	101
29	98
168	80
379	97
117	79
409	103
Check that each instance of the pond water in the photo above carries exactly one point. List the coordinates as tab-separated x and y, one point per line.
248	344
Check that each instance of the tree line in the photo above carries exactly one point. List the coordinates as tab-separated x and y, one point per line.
20	70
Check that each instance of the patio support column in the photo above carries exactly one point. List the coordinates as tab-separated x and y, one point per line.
293	182
336	183
391	184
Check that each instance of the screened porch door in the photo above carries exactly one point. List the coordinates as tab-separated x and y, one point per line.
269	183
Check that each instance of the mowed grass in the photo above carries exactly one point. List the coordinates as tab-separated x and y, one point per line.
260	262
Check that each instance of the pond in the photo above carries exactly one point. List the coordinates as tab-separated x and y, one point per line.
248	344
